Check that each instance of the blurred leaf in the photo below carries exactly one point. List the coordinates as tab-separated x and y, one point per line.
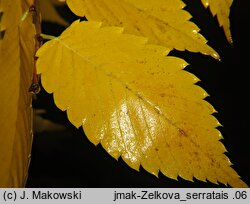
17	48
49	13
222	10
164	22
42	124
137	102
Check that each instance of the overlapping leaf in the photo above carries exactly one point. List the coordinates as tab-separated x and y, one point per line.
137	102
164	22
16	65
222	10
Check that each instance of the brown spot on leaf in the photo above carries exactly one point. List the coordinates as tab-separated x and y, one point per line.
127	88
157	111
139	96
182	132
162	95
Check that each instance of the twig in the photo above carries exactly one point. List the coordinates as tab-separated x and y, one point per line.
35	9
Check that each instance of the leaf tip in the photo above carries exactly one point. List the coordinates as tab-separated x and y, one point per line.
216	56
237	183
230	39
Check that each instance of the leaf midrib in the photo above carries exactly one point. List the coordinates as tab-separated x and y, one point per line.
124	85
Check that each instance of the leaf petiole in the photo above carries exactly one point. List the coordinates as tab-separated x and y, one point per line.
47	37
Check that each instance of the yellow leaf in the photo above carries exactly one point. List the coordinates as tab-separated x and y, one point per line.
49	12
137	102
222	10
17	48
164	22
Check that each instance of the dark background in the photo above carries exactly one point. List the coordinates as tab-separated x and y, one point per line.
67	159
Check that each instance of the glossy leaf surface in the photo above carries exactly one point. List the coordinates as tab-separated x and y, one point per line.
137	102
164	22
17	46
